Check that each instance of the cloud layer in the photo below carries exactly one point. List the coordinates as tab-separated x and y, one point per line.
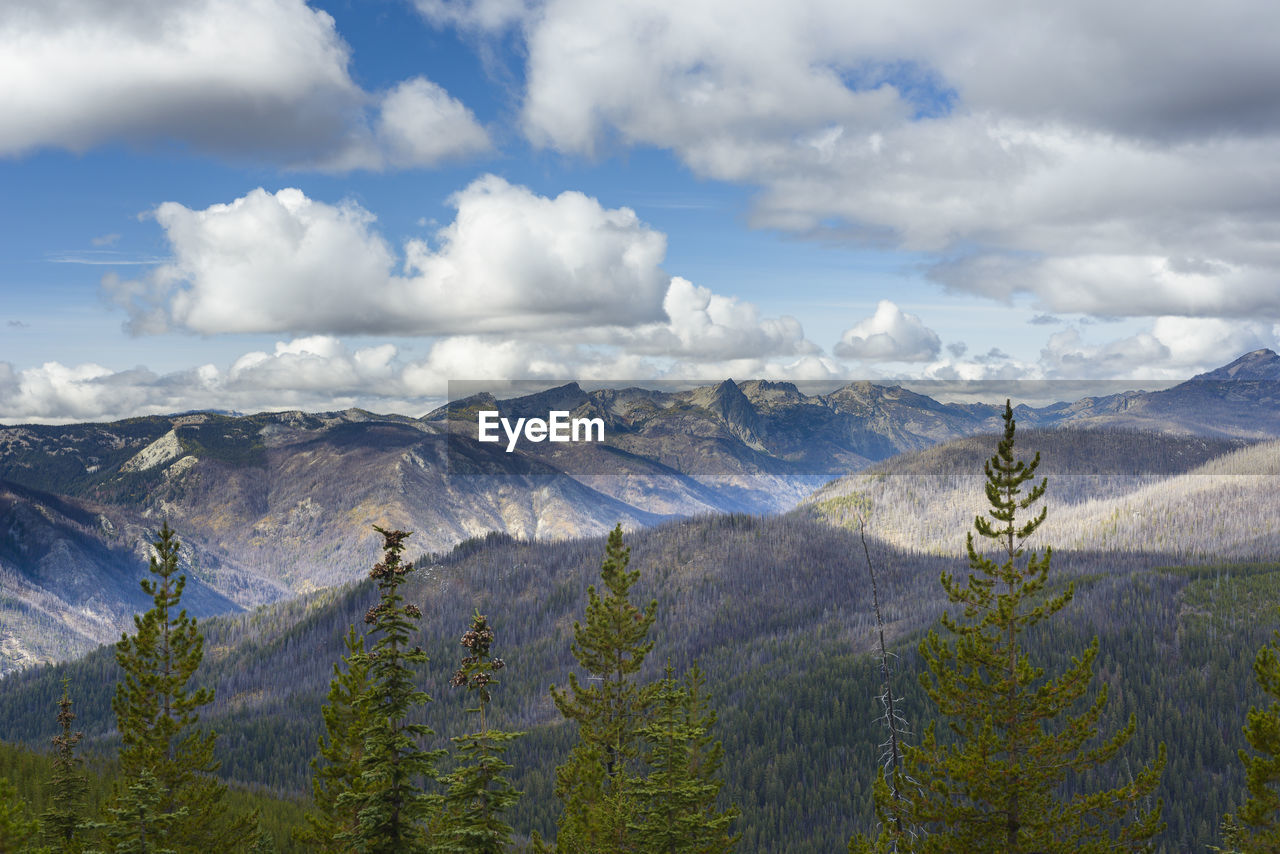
257	78
1083	154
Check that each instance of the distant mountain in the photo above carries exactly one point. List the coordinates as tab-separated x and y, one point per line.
69	574
276	504
1241	399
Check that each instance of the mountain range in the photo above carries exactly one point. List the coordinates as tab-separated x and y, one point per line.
274	505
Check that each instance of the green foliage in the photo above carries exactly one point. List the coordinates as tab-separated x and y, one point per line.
64	823
757	603
997	783
170	796
141	822
337	769
17	828
391	804
477	790
678	797
596	784
1255	827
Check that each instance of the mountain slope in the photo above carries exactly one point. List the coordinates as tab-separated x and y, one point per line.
69	571
1192	499
777	611
276	504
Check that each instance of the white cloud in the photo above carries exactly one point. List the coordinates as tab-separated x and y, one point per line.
316	373
1173	348
889	335
263	78
318	363
1082	144
704	325
418	124
510	260
474	14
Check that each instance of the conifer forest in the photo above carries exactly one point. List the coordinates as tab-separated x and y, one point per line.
726	683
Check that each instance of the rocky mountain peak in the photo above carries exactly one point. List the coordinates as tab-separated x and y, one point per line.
1260	365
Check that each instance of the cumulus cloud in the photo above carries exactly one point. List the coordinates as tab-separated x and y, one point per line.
889	335
1081	144
705	325
418	123
511	260
264	78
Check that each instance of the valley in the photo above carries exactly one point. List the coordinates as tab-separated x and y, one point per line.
755	561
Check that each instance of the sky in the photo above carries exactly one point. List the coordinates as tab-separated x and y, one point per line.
271	204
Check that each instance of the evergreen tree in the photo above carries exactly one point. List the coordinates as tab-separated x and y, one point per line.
139	823
596	784
996	785
391	805
337	769
166	762
64	822
679	795
1255	828
477	792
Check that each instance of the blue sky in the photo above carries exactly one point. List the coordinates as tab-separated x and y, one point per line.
260	204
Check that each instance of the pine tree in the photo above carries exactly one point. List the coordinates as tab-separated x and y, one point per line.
63	823
596	784
168	764
391	804
337	769
678	797
1255	828
139	824
477	792
997	784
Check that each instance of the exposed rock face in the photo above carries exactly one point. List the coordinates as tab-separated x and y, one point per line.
163	450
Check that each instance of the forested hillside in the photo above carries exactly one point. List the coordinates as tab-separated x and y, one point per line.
1192	500
777	611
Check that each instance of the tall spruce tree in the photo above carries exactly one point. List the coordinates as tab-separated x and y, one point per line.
678	797
337	769
63	823
391	804
997	783
166	763
597	784
1255	827
477	790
